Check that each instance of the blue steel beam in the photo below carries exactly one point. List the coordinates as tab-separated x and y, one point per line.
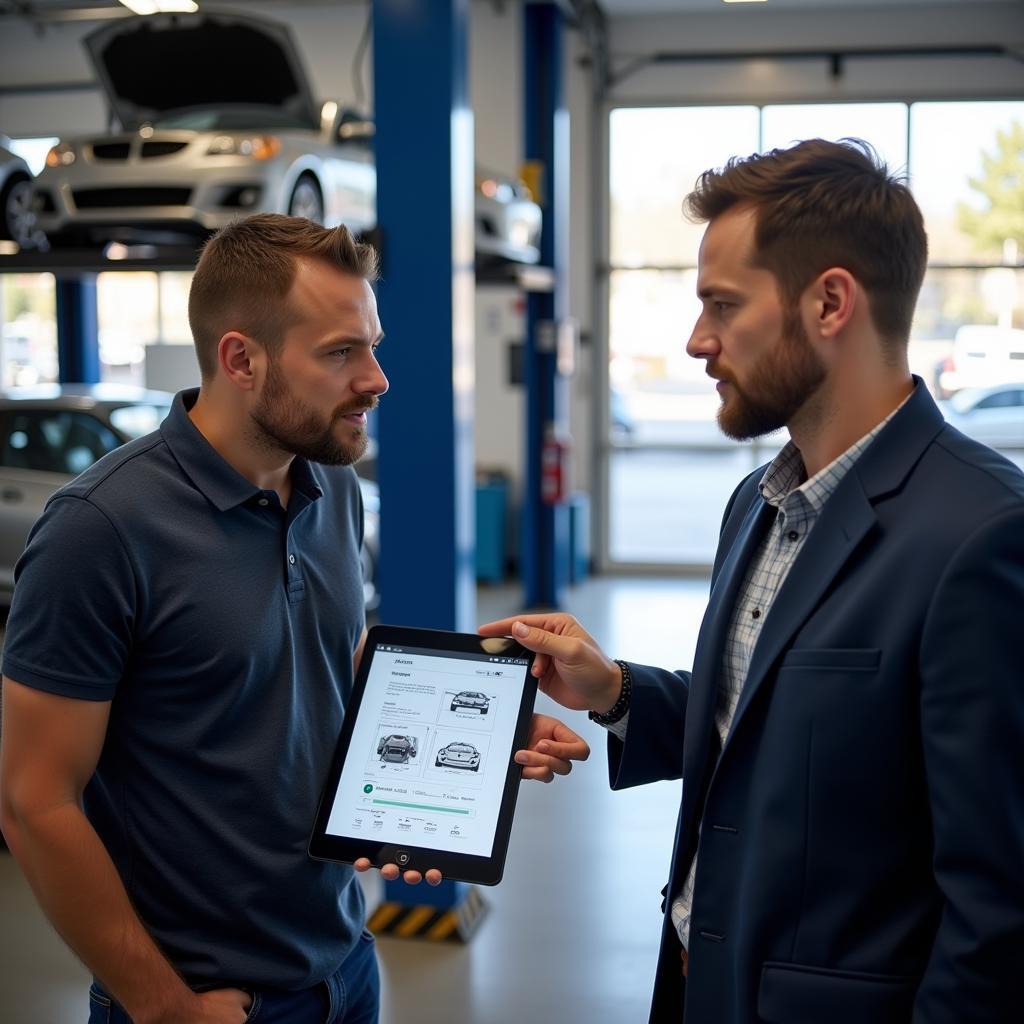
424	146
545	541
78	351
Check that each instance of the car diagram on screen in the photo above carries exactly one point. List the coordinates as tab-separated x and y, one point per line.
396	749
458	755
471	700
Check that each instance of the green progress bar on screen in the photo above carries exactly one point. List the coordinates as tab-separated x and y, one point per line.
422	807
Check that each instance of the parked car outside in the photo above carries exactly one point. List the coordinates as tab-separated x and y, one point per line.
51	433
994	416
396	749
18	221
239	134
984	355
470	700
458	755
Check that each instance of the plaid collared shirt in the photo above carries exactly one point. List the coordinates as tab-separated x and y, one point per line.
799	502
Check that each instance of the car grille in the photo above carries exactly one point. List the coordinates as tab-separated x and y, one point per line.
104	198
155	149
110	150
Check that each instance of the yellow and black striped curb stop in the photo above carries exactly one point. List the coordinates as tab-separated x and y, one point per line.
437	924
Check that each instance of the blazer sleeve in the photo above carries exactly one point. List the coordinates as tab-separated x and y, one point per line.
653	748
972	730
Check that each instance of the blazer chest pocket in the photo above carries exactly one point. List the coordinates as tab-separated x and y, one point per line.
846	659
794	994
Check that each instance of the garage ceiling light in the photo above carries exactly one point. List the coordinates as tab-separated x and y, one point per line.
723	1
161	6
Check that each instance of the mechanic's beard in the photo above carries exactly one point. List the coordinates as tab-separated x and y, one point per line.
289	425
777	388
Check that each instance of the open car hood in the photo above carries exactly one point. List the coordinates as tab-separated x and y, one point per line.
152	65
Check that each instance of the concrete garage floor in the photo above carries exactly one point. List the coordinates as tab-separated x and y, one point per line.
571	932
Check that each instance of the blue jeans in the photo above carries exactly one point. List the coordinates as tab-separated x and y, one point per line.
349	996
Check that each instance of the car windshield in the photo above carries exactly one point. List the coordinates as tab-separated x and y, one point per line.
460	748
134	421
206	119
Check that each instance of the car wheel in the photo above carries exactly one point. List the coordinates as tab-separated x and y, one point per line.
307	200
19	219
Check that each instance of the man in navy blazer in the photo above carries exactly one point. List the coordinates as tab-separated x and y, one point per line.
850	844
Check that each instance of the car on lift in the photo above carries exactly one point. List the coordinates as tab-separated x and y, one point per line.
238	133
470	700
17	219
51	433
458	755
216	121
396	749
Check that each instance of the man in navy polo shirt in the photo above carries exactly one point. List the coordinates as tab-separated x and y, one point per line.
180	651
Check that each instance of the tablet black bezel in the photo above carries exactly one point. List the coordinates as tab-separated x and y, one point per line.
458	867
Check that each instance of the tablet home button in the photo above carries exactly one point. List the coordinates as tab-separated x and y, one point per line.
402	858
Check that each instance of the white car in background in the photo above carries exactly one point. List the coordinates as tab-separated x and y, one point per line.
994	416
217	121
17	220
984	355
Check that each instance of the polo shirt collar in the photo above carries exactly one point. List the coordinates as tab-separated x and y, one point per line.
222	485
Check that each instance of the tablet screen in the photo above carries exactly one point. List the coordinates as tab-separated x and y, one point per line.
427	762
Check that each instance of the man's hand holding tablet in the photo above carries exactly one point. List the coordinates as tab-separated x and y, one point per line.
438	732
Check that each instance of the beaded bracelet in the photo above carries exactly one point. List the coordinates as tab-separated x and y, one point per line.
618	710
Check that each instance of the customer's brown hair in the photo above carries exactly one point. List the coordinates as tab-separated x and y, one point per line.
827	204
246	271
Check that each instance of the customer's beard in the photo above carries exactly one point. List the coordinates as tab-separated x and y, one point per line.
777	387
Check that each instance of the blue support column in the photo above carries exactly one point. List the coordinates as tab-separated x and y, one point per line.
424	146
545	540
78	351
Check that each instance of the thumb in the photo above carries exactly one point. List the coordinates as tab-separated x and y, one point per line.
538	640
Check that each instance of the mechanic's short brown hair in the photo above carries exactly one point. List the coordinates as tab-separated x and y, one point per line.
246	271
827	204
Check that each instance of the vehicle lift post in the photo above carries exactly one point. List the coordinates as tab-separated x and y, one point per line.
78	353
425	168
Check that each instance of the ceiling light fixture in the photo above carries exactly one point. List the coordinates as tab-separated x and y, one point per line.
161	6
723	1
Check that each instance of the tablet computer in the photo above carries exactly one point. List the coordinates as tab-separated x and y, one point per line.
424	776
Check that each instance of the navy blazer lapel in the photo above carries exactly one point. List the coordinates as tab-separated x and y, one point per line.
845	519
700	712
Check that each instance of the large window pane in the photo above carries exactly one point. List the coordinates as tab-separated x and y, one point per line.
967	172
656	155
884	125
127	309
28	345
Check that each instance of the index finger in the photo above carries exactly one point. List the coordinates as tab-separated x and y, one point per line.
503	627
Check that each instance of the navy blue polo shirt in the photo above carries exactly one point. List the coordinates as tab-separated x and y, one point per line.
222	629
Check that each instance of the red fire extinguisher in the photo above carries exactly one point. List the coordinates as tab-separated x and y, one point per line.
554	468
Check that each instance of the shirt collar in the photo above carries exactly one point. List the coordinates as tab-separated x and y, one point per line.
787	474
213	475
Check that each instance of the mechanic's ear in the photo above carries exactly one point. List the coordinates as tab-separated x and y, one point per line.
239	359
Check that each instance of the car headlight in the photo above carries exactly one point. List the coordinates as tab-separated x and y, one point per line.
61	155
257	147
